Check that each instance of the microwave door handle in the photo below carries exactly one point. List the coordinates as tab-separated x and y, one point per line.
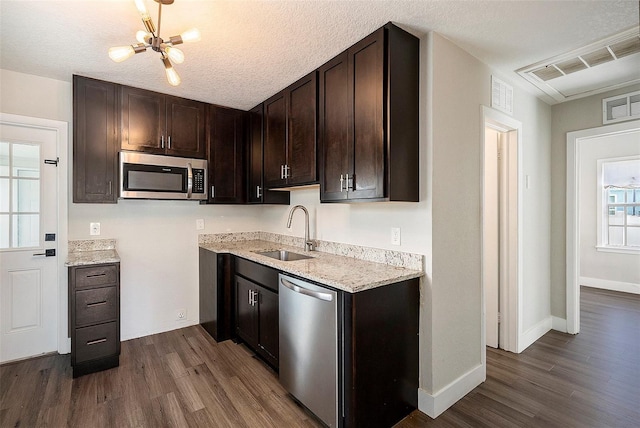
189	180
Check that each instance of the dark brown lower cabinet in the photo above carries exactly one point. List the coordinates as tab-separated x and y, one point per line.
215	294
380	354
94	317
257	309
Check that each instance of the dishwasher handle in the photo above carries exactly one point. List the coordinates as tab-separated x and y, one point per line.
316	294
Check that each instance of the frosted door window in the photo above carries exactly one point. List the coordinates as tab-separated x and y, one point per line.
19	195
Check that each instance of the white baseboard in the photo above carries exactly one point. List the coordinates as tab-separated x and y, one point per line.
534	333
625	287
434	405
559	324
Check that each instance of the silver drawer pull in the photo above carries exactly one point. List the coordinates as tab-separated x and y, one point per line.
91	305
95	342
97	274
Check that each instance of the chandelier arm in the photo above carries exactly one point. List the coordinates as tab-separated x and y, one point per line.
159	17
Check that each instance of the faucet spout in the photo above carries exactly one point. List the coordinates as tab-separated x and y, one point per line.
309	244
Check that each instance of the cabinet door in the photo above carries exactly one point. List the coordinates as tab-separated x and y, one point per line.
95	141
185	135
268	334
254	154
246	312
368	150
333	130
226	167
301	133
143	120
275	140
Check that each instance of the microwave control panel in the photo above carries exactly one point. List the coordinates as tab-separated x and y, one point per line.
198	180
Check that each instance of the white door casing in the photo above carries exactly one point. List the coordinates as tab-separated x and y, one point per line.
30	282
510	283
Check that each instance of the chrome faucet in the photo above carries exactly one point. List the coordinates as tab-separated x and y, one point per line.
309	244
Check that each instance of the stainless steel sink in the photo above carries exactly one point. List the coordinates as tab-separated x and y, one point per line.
283	255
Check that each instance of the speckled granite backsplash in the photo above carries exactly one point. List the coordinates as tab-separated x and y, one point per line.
376	255
92	245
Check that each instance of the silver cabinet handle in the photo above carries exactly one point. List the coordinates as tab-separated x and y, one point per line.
287	170
258	195
162	141
341	183
213	192
316	294
249	295
169	145
282	172
189	177
110	191
95	342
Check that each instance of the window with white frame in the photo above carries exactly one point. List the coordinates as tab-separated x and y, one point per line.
619	216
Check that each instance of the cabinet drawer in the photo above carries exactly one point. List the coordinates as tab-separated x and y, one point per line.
97	341
258	273
96	305
93	276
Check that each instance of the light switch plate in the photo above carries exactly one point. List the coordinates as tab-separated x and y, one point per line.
395	236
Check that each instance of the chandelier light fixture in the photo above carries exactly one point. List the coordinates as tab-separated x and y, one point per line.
150	38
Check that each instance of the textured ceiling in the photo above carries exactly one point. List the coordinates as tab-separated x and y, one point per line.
252	49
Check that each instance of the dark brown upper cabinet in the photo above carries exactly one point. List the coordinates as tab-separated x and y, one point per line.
368	120
256	192
226	130
95	141
290	135
162	124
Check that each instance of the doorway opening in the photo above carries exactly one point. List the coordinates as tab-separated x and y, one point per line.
501	230
580	155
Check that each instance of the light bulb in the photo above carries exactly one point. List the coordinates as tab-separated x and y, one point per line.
175	54
172	75
141	8
192	35
143	37
120	53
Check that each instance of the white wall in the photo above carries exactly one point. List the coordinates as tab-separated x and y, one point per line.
158	244
570	116
597	267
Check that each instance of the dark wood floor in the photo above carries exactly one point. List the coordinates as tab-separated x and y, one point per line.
588	380
184	378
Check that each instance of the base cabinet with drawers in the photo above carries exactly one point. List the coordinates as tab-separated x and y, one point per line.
94	317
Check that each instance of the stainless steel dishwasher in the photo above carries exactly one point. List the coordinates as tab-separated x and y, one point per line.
309	346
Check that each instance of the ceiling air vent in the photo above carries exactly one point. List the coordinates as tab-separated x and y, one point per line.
608	64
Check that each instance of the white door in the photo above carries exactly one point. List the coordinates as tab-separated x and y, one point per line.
491	236
29	295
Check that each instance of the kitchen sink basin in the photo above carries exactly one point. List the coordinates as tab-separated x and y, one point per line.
283	255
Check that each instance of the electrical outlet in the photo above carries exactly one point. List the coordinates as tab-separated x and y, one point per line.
181	314
200	224
395	236
94	229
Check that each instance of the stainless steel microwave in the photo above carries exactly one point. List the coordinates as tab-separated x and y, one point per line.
145	176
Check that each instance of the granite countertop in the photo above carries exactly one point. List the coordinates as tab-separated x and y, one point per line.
344	273
92	252
94	257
